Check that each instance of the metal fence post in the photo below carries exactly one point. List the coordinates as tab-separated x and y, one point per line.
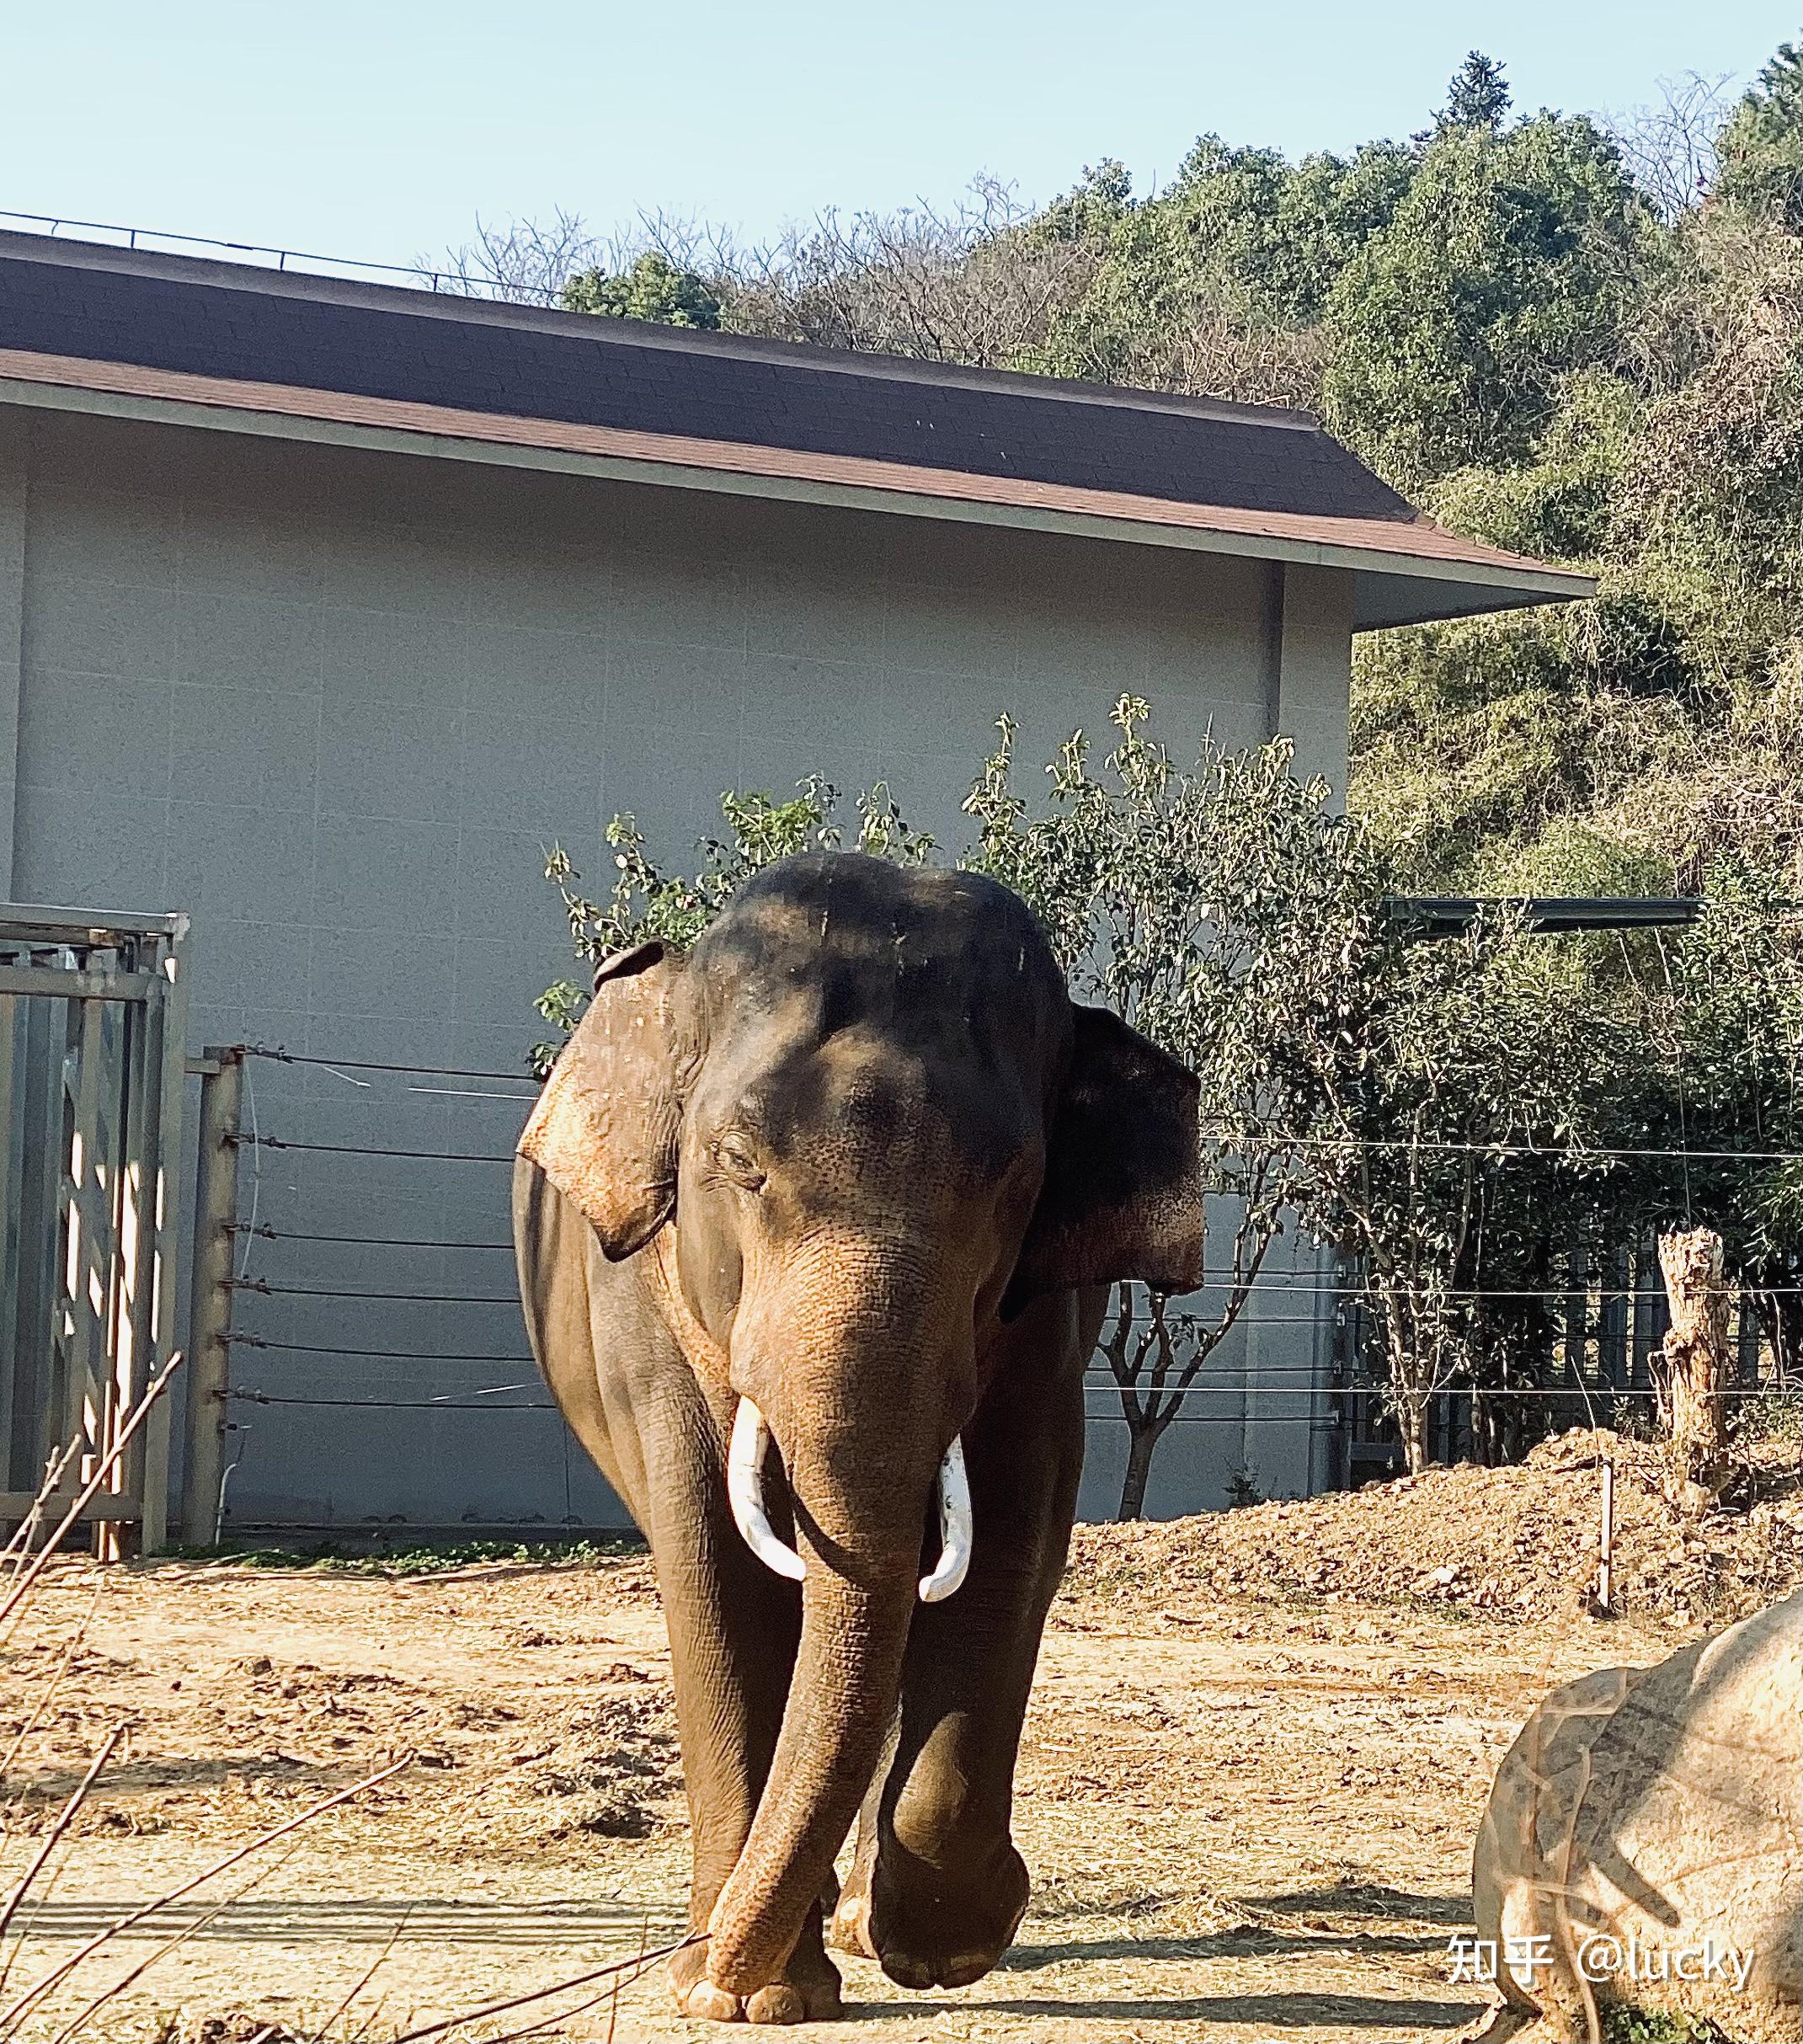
209	1350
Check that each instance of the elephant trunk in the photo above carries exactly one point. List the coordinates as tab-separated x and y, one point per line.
847	1680
856	1356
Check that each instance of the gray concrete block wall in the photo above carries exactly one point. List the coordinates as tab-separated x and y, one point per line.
337	705
13	460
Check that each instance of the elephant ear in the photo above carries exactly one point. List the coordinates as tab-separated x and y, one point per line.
605	1129
1122	1193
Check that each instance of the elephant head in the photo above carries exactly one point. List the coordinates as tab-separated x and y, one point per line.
858	1129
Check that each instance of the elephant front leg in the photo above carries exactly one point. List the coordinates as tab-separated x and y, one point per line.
940	1889
732	1630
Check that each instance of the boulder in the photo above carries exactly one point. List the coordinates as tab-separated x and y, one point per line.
1644	1840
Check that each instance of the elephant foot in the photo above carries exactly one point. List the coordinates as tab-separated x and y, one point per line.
851	1922
807	1992
929	1928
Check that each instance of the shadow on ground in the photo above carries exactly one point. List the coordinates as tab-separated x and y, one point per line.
1453	1910
1336	2014
1244	1940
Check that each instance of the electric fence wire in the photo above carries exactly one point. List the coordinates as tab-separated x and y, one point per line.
1587	1396
1229	1131
1098	1380
1591	1294
1497	1151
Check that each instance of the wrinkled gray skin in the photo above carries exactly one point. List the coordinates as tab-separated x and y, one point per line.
860	1158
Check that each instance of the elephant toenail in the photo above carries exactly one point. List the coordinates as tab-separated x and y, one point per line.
966	1967
779	2002
907	1973
711	2004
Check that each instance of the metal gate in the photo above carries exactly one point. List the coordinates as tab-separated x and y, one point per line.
90	1084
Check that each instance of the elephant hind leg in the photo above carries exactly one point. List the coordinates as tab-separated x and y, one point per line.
935	1891
944	1925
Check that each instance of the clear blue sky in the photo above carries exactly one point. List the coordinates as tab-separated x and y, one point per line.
379	129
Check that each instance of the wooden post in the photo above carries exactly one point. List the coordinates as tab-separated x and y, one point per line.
1695	1362
209	1357
1606	1554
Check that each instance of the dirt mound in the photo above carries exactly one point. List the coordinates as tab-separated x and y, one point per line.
608	1769
1510	1543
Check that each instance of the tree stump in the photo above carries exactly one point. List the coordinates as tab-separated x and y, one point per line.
1695	1366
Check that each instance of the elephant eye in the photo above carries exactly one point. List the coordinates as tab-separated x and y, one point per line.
735	1158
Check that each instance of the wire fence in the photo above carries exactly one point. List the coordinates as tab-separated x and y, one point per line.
1322	1373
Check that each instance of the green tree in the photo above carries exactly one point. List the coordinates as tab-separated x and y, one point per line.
1466	1099
1760	150
1509	263
1215	285
1429	1111
1623	745
653	289
1477	96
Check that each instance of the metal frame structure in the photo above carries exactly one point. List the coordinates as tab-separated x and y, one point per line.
1549	915
93	1013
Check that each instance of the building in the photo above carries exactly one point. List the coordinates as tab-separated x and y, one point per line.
325	608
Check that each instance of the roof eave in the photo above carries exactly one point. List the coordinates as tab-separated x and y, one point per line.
1440	585
1420	593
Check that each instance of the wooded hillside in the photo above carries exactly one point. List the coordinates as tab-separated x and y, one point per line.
1581	340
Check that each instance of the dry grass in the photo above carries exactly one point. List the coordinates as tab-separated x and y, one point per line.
72	1775
1249	1812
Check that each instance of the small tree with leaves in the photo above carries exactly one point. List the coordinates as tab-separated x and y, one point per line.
1462	1107
1226	911
1420	1107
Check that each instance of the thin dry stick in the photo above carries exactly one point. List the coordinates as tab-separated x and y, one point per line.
381	1959
135	1418
76	2024
41	1900
66	1816
42	1986
54	1471
563	1987
544	2022
368	2024
49	1696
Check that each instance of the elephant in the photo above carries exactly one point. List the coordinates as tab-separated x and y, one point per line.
815	1226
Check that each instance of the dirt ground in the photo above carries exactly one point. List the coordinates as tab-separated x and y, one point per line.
1249	1813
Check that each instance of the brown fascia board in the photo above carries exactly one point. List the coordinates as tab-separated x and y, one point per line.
1413	547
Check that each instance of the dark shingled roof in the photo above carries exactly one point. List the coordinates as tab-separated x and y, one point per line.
371	342
240	347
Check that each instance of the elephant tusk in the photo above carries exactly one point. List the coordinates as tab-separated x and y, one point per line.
744	1490
956	1528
